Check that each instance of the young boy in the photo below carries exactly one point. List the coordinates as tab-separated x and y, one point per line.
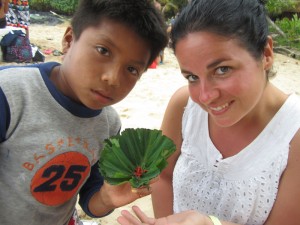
54	118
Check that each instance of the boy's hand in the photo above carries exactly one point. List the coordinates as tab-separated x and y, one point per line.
110	197
120	195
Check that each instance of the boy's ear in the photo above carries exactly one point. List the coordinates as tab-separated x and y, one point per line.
67	39
268	54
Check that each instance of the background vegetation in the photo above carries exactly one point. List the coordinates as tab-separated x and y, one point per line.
284	16
64	7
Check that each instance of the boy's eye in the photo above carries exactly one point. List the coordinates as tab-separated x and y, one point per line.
133	70
103	51
222	70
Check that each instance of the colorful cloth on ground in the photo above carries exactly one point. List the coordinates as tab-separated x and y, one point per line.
242	188
18	14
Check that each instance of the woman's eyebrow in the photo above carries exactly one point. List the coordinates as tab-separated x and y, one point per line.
215	63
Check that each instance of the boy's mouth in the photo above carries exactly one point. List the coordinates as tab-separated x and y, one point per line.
102	97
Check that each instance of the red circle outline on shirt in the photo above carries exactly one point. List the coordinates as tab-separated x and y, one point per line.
60	178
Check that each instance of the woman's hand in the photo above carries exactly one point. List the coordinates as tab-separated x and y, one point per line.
184	218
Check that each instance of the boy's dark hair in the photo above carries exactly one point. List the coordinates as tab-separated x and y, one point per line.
139	15
243	20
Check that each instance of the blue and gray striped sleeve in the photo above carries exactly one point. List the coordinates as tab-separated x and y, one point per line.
4	116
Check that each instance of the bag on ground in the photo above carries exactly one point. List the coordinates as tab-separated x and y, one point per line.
16	47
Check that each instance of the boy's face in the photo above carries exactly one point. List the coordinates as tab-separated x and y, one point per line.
103	65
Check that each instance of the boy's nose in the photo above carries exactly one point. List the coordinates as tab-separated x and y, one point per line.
112	77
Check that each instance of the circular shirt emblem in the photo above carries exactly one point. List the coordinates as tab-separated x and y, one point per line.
59	179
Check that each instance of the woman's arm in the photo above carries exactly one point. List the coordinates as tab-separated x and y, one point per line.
162	192
286	208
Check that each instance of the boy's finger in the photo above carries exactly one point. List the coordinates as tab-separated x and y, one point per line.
142	191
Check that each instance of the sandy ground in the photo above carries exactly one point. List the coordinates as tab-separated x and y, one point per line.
145	105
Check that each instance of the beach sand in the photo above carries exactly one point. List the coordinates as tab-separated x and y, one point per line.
145	105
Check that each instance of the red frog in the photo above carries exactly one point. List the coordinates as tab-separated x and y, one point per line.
138	172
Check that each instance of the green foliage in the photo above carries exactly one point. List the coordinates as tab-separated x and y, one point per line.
179	3
171	7
135	156
291	27
39	5
276	7
64	7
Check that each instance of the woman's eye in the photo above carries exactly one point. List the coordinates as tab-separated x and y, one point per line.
191	78
133	70
103	51
222	70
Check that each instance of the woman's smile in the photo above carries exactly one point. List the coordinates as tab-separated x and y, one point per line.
219	108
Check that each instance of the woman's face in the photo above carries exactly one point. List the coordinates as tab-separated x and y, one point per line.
224	78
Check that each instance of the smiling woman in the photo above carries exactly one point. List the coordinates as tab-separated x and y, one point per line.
236	138
54	158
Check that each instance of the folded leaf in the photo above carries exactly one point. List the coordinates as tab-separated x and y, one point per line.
135	156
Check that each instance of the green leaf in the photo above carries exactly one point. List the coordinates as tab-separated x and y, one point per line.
135	156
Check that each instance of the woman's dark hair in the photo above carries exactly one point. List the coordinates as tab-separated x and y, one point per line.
141	16
243	20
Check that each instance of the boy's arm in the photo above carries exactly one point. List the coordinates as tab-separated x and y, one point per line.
91	186
110	197
4	116
98	198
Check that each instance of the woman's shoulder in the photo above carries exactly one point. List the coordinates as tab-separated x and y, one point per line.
180	97
292	106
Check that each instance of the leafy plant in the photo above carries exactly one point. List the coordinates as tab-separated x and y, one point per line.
276	7
171	7
65	7
135	156
291	27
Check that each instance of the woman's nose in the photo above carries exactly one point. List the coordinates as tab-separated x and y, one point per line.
207	92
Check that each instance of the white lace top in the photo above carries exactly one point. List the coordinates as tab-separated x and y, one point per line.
241	188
